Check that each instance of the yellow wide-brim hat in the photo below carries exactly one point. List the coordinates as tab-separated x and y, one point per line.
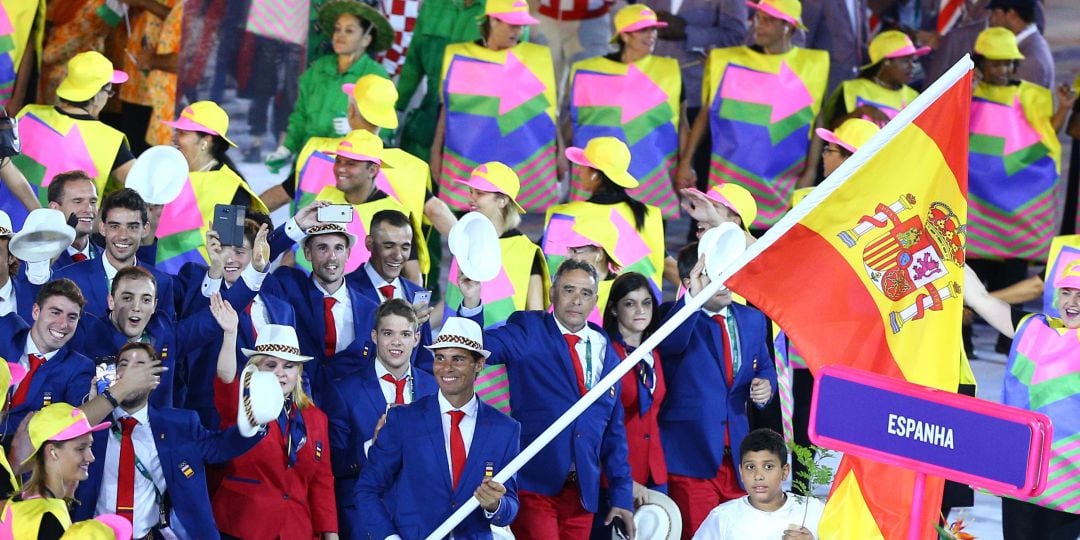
375	98
607	155
87	73
203	117
496	177
997	43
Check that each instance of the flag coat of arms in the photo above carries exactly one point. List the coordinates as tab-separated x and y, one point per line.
867	272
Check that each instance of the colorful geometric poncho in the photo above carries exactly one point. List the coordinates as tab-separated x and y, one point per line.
22	25
1013	168
761	109
638	104
499	106
860	91
1043	375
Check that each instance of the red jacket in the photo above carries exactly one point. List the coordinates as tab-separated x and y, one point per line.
643	432
260	498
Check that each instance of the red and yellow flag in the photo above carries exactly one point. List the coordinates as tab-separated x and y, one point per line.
867	273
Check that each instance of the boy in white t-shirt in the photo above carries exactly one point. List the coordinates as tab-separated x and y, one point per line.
768	512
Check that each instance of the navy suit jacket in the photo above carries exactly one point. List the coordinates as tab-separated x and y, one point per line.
543	385
354	403
699	403
25	295
183	444
64	259
297	288
422	358
406	488
90	277
65	377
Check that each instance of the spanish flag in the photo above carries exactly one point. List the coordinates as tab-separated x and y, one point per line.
867	272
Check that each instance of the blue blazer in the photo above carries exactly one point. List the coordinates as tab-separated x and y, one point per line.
296	288
90	277
543	386
422	358
25	295
405	488
354	403
65	377
699	403
64	259
184	448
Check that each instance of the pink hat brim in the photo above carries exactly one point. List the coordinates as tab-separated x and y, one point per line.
118	77
482	184
347	88
643	24
577	155
715	196
358	157
829	136
773	12
520	18
1067	282
908	50
120	526
188	124
79	429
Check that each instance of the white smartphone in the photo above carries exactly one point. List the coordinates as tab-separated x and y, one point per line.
336	213
421	297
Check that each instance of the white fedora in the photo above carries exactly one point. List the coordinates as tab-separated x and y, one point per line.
261	400
44	235
462	333
657	519
475	244
278	341
720	246
158	175
5	225
331	228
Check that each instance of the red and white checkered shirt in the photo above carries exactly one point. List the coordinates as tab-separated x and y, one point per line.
402	15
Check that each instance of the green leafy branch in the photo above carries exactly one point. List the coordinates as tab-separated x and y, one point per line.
814	474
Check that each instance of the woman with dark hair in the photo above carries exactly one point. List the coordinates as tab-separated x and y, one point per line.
60	438
629	231
631	315
633	79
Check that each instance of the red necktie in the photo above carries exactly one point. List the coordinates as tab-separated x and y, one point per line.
331	329
387	291
125	476
399	388
254	331
572	341
457	445
36	361
78	257
728	366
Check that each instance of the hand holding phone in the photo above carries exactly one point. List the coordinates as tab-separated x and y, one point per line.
229	224
335	213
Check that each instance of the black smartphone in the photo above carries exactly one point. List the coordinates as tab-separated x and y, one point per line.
229	224
619	527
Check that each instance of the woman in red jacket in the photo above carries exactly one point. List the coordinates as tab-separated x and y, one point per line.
283	488
630	316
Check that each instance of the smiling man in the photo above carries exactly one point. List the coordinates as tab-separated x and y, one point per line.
356	403
75	195
54	371
389	241
124	218
416	478
552	359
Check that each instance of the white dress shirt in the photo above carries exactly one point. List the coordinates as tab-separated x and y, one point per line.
252	278
86	251
343	315
389	390
467	425
142	438
110	271
378	281
32	348
7	299
1026	33
590	340
733	334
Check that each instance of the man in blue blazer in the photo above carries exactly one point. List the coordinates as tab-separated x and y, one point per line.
124	218
16	295
324	297
552	359
55	372
710	375
356	402
171	449
389	241
75	195
435	454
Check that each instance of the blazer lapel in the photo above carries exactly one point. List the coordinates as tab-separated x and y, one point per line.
474	465
372	388
715	342
441	461
99	283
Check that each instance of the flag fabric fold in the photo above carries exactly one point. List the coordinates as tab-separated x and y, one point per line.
886	232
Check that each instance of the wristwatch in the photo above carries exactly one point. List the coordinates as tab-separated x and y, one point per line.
108	395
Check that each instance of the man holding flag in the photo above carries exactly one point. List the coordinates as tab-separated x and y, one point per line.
891	240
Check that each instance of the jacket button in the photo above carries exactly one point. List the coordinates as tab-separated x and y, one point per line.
285	497
647	436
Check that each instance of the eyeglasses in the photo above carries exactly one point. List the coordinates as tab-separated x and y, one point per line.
829	150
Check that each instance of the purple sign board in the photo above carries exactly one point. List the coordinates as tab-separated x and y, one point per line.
984	444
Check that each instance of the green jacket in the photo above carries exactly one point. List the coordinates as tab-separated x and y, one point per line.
321	100
439	23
